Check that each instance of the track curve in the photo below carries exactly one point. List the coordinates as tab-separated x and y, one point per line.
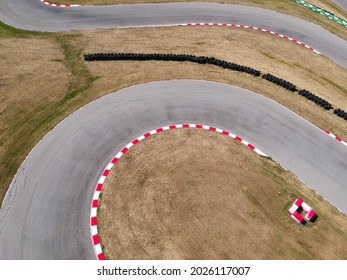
34	15
39	222
341	3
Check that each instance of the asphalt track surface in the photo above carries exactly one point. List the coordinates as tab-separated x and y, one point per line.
33	15
47	209
341	3
46	215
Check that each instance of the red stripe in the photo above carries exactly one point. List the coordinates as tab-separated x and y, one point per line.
106	172
99	187
295	41
197	24
159	129
206	23
238	138
224	24
58	5
172	126
225	132
185	125
96	240
95	203
198	126
242	26
215	24
67	5
327	131
212	128
93	221
338	139
302	44
268	31
251	146
277	34
147	135
251	27
114	160
189	24
260	28
312	49
124	150
135	141
101	257
286	37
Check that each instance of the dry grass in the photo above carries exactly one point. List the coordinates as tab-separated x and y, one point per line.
194	194
48	79
31	78
287	7
252	48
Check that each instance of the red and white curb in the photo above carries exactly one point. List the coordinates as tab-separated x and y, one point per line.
58	5
335	137
251	27
94	207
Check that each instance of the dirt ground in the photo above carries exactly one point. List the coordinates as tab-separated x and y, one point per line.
48	79
247	47
195	194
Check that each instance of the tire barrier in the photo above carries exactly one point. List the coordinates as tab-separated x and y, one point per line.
278	81
341	113
173	57
217	62
319	101
298	208
322	12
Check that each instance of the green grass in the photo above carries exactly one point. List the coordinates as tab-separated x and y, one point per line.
9	31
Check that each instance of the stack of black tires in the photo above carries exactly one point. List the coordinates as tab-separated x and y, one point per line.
172	57
319	101
341	113
278	81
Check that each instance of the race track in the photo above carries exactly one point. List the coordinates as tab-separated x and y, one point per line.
46	215
46	212
33	15
341	3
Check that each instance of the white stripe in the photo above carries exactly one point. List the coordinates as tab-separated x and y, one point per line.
93	212
244	142
166	127
219	130
153	132
102	179
98	249
232	135
259	152
109	166
206	127
141	138
119	155
129	145
192	125
94	230
179	126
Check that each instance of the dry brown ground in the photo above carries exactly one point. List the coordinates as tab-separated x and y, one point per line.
209	197
41	77
287	7
31	78
252	48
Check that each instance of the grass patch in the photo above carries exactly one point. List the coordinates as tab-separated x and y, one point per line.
229	209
